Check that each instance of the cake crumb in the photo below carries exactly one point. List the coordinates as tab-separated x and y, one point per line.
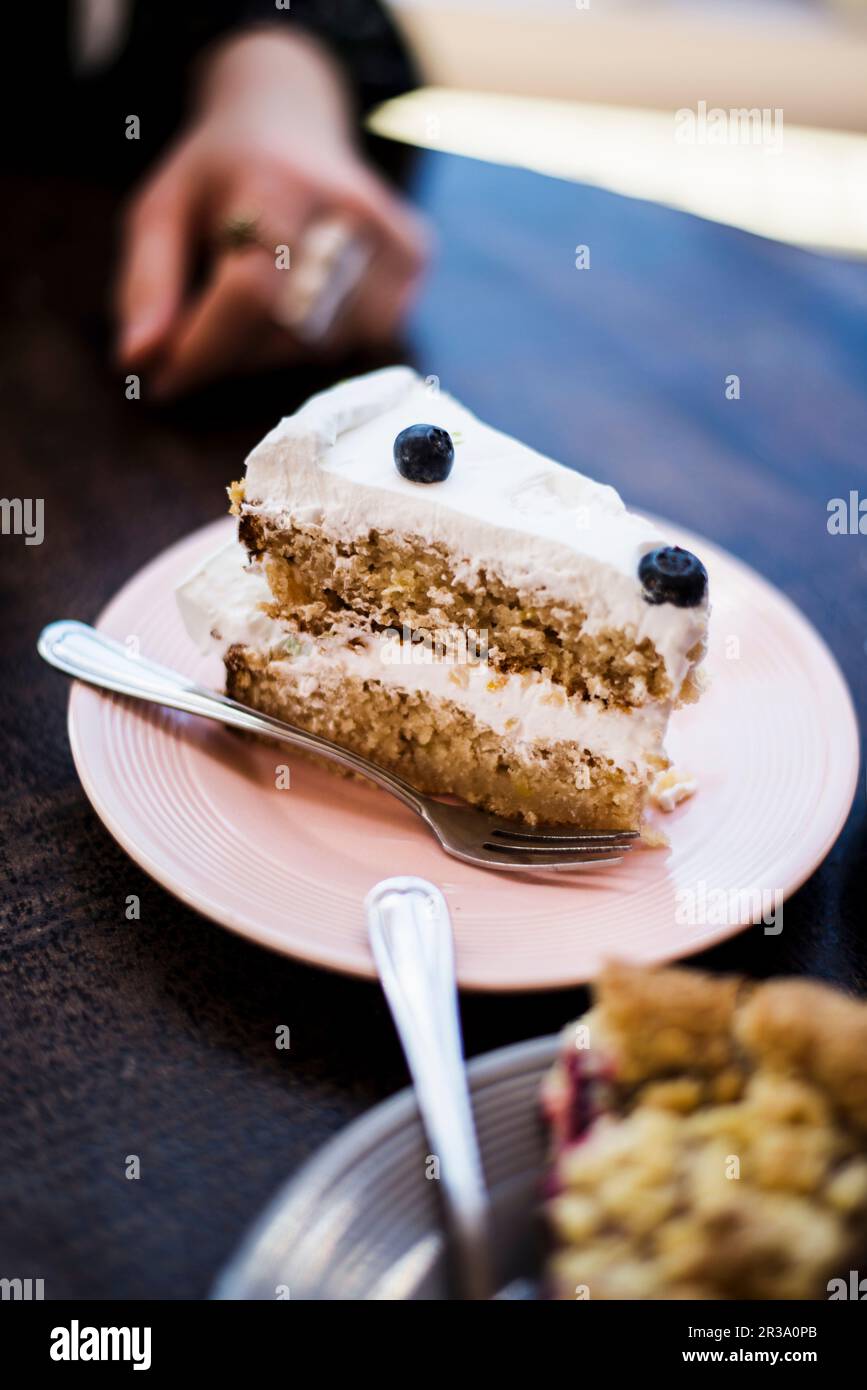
672	787
236	497
653	838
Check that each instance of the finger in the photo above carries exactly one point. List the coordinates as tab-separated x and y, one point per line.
150	283
223	326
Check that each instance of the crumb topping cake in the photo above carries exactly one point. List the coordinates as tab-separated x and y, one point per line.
417	586
709	1139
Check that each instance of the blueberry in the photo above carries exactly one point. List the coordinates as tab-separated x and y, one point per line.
672	575
424	454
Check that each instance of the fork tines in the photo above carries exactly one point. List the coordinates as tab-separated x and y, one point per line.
553	839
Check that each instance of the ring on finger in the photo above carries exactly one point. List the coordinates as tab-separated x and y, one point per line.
241	230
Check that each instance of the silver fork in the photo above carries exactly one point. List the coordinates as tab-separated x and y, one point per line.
490	842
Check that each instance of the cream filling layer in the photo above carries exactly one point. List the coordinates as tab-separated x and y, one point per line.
221	604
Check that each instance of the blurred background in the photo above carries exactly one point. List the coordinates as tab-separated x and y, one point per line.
585	89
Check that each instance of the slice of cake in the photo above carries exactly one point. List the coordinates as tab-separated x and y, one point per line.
427	591
709	1139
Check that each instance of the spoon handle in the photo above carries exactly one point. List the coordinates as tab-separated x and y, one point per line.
411	937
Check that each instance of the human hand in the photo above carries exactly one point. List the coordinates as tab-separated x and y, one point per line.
270	149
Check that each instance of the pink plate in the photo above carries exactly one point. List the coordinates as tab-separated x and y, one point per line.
773	743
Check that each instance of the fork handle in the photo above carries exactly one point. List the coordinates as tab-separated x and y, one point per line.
411	937
80	651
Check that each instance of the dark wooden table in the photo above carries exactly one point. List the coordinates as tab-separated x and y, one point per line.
155	1037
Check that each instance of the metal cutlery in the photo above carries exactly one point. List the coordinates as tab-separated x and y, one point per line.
411	939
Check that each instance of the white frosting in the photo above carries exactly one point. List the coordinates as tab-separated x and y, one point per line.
546	530
221	605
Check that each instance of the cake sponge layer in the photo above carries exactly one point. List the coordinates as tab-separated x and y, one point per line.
440	747
383	580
